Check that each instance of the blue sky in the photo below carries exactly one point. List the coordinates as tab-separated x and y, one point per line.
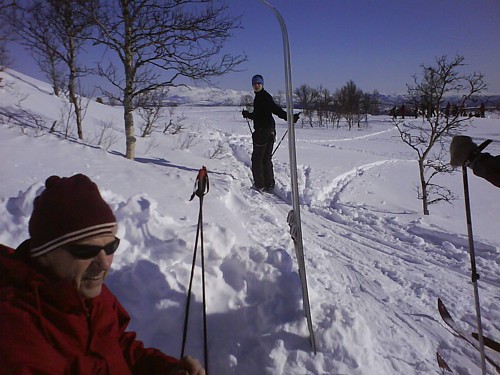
378	44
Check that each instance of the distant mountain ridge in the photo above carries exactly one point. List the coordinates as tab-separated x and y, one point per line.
213	96
208	96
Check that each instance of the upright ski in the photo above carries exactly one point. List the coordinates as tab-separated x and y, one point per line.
294	215
492	356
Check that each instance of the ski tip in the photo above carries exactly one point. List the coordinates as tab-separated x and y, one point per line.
443	311
442	363
441	307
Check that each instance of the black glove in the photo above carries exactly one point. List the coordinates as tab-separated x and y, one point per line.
296	117
461	149
245	113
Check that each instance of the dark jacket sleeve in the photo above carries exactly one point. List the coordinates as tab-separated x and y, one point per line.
271	106
487	167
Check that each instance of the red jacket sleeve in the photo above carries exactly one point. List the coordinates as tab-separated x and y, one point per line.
24	350
141	360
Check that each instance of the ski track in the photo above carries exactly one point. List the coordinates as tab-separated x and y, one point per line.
328	141
352	288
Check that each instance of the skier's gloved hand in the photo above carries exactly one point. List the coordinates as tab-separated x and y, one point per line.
188	366
245	113
296	117
461	149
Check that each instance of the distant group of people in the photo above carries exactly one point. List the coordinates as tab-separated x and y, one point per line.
429	111
454	111
395	112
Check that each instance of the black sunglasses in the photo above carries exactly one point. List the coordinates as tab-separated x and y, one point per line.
91	251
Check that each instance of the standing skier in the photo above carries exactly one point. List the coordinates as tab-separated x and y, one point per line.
264	133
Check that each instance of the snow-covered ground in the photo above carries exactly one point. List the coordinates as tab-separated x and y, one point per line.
375	264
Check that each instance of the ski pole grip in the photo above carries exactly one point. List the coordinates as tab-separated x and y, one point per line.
201	184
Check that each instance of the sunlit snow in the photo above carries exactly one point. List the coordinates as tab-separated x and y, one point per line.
375	264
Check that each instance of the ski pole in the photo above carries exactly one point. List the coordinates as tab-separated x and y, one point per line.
249	127
279	143
201	188
248	122
276	149
474	274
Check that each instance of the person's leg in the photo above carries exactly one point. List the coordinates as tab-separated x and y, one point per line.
258	165
268	164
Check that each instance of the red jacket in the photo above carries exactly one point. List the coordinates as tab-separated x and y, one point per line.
47	328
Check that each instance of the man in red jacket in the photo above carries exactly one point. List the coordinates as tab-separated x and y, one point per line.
56	314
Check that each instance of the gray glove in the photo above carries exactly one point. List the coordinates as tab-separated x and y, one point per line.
461	149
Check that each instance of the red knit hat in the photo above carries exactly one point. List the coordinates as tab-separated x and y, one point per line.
69	209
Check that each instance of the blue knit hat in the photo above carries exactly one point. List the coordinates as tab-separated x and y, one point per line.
257	79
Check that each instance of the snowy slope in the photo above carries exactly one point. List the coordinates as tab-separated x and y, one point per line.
375	264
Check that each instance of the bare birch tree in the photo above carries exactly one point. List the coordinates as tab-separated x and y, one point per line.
427	137
349	99
157	42
307	97
151	109
55	31
324	103
4	35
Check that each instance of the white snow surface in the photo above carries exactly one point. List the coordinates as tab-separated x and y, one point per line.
375	264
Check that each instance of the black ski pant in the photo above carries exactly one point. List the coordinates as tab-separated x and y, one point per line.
262	164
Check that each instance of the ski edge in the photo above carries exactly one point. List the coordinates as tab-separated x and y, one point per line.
469	337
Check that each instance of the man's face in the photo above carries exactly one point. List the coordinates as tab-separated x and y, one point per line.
257	87
87	275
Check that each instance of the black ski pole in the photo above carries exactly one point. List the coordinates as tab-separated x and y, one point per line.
474	274
281	140
249	127
205	342
201	188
